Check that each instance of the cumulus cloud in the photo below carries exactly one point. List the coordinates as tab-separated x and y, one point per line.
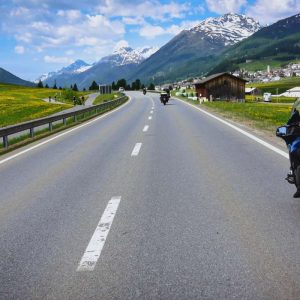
19	49
149	31
88	30
265	12
225	6
153	9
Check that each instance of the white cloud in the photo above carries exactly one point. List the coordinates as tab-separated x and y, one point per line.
19	49
69	14
133	20
121	44
267	12
150	31
87	31
225	6
57	59
153	9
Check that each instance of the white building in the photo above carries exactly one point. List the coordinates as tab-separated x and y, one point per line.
294	92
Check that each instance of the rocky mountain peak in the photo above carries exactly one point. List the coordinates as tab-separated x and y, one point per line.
126	55
229	28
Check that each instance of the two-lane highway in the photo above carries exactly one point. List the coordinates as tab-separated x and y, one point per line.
148	202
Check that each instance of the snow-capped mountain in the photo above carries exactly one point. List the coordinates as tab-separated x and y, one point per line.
126	55
76	67
229	29
194	51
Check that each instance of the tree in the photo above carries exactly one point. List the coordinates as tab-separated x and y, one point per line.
151	87
113	86
54	86
75	88
71	87
121	83
47	86
40	84
136	85
94	86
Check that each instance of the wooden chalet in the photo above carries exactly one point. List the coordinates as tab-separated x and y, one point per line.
222	86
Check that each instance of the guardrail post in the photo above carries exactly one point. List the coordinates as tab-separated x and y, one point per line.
65	121
75	118
31	132
5	141
50	126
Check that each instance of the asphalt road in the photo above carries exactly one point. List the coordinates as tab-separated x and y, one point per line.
186	208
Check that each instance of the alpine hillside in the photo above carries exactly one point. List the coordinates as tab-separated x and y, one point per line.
7	77
194	51
275	45
120	63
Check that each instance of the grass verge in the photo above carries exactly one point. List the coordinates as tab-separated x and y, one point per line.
25	139
106	97
262	116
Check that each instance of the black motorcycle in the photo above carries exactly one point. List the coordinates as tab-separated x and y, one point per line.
290	133
164	98
144	91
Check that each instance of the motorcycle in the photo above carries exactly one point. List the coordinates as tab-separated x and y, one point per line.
144	91
164	98
290	133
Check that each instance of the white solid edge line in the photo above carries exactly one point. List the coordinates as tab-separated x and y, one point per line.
96	244
146	128
150	118
249	135
136	149
62	134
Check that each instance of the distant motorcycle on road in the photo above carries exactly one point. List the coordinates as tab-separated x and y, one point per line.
144	91
164	97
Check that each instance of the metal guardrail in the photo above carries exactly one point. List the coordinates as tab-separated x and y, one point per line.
30	125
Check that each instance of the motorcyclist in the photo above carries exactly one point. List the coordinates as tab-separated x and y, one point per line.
294	149
144	91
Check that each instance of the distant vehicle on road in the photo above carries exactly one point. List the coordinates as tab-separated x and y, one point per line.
164	97
121	89
267	97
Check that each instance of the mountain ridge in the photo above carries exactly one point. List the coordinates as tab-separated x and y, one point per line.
203	43
8	77
277	42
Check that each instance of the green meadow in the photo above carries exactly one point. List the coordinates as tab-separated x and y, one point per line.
19	104
106	97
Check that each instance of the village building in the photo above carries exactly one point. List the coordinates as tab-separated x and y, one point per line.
294	92
222	86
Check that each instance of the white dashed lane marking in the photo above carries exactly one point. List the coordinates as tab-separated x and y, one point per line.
96	244
136	149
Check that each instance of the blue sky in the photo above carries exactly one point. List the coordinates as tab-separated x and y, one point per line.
37	37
